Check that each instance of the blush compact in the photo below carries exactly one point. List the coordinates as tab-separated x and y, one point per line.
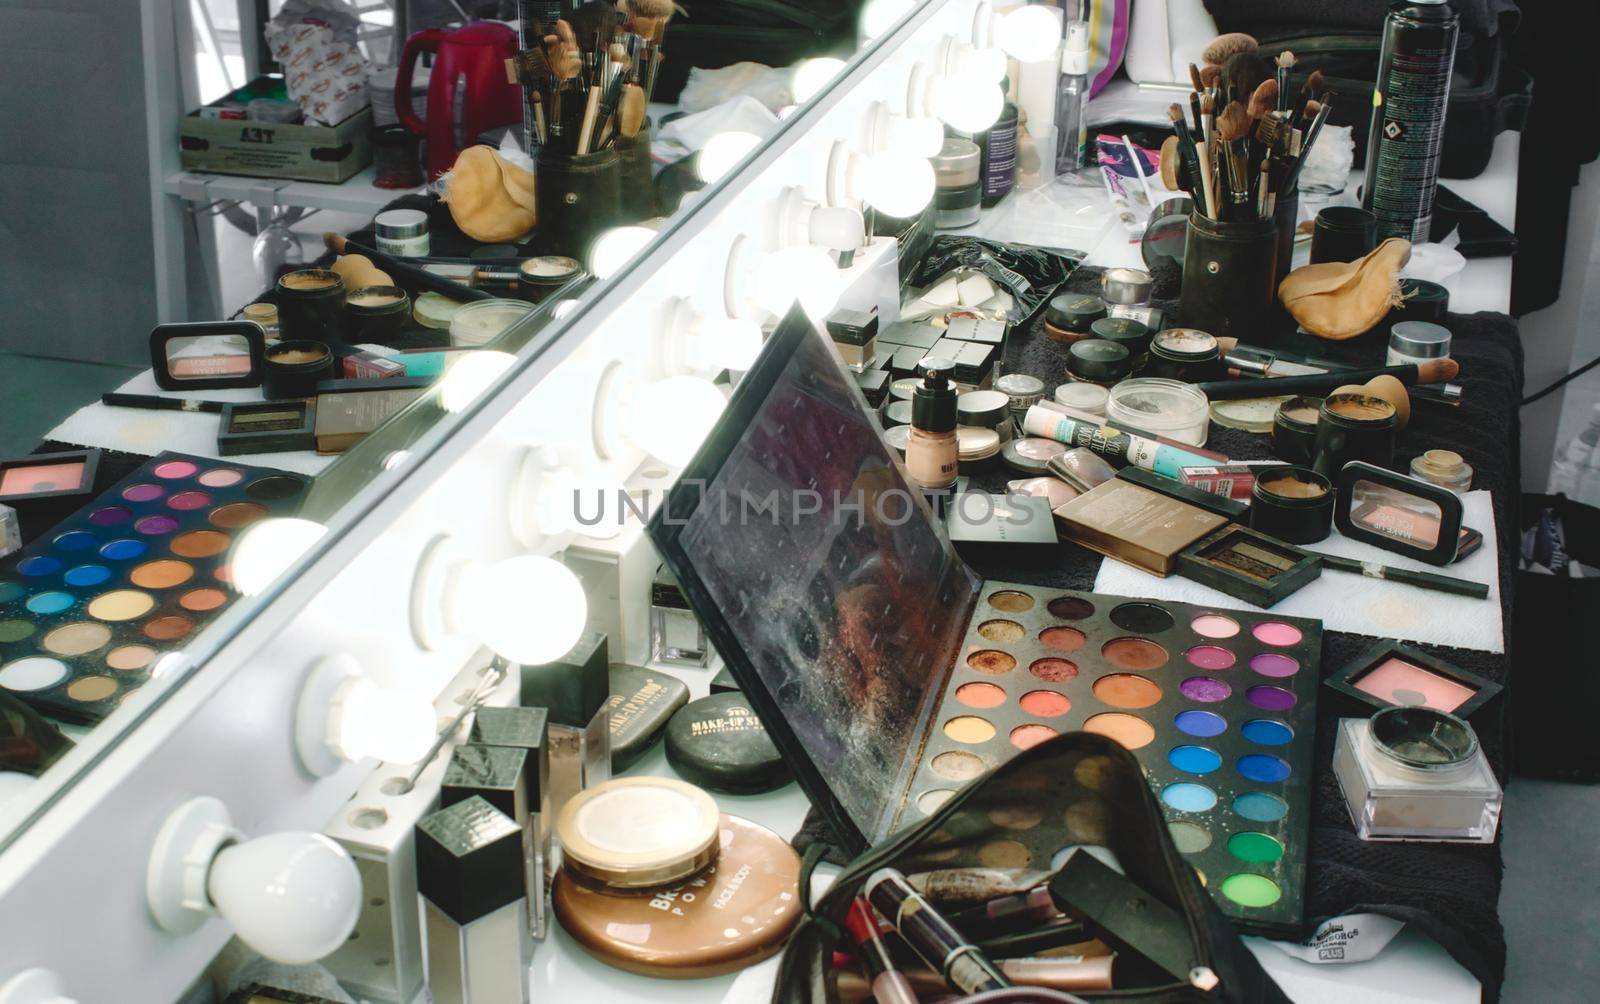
207	355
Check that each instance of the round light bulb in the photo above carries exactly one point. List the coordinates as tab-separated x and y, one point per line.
528	609
813	75
266	550
920	137
722	153
900	184
728	343
806	274
1028	34
615	248
293	897
670	418
967	103
563	308
838	228
395	726
878	16
986	64
469	375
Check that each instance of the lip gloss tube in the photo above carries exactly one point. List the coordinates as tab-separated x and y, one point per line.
931	936
889	985
1009	913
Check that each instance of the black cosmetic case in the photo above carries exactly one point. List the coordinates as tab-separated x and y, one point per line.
1096	779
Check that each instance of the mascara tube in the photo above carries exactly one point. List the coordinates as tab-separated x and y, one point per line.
931	936
889	985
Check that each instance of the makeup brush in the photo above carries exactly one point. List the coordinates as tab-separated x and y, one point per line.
1285	63
1194	101
1430	372
1210	76
1242	74
1223	46
1233	128
1189	159
1263	100
1170	161
1313	88
420	278
1292	177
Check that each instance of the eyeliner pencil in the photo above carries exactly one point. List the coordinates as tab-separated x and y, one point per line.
1426	580
153	402
1432	371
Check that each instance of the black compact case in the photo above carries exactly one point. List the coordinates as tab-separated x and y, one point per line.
1347	679
1249	565
267	427
206	355
1405	515
719	743
641	704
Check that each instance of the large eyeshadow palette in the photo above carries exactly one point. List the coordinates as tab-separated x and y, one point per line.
87	609
1218	706
888	674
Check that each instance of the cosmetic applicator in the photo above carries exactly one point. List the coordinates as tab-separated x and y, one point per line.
1216	53
419	277
1432	371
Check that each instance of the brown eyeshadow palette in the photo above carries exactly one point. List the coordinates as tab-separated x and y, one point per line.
87	609
1219	707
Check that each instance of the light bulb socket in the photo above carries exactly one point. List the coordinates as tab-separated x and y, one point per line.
180	863
432	589
319	713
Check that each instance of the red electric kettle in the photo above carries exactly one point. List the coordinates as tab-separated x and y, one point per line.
467	89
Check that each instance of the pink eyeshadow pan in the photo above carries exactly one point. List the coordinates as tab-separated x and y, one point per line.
1215	626
1399	682
1209	657
1277	633
41	478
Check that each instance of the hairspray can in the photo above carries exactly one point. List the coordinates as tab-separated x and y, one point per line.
1408	106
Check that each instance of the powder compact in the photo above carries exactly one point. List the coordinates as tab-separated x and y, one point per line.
1067	317
375	314
45	488
985	528
267	427
1128	333
1097	361
888	674
641	704
1416	774
293	367
1294	504
1135	524
720	743
89	607
1160	407
1031	454
207	355
734	913
1249	565
1405	515
1391	674
1055	491
538	278
638	832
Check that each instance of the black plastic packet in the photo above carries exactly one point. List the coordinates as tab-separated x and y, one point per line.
1032	275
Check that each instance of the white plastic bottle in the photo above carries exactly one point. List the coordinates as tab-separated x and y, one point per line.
1576	470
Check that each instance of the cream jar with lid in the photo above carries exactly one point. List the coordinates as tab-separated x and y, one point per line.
959	192
402	232
1416	342
1444	468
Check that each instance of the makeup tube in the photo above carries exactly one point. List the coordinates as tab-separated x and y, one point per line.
889	985
931	936
1056	972
1137	450
1008	913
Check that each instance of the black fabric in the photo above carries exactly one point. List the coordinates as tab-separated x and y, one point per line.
1448	892
1125	819
1481	16
1565	90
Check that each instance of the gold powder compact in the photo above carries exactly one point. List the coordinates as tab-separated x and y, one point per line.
638	832
733	914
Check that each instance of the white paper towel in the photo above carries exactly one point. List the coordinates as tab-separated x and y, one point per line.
1344	601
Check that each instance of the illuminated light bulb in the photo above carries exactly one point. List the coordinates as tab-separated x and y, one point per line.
896	183
813	75
727	343
802	221
528	609
615	248
805	274
268	548
967	103
343	716
395	459
670	418
722	153
1028	34
878	16
920	137
469	375
986	64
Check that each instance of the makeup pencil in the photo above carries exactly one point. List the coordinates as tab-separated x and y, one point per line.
154	402
1425	580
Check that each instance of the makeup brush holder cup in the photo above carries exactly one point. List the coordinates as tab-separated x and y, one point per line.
1229	277
1286	217
638	179
579	197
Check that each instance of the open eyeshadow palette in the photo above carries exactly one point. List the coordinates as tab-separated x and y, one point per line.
88	608
888	674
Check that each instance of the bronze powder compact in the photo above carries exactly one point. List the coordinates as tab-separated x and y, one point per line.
732	915
638	832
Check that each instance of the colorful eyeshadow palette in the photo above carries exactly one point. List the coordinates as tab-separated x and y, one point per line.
87	609
889	675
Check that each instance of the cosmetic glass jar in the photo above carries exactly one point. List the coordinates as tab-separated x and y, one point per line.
1294	429
985	409
1022	391
1444	468
1067	317
266	315
958	193
1185	354
1353	427
1165	407
538	278
375	314
1128	333
311	305
482	321
1125	287
1085	397
977	449
402	232
1417	342
1293	504
677	637
1097	361
1413	773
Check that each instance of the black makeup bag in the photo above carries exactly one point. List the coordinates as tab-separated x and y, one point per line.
1093	791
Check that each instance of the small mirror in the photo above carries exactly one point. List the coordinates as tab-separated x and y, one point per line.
1397	513
204	356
